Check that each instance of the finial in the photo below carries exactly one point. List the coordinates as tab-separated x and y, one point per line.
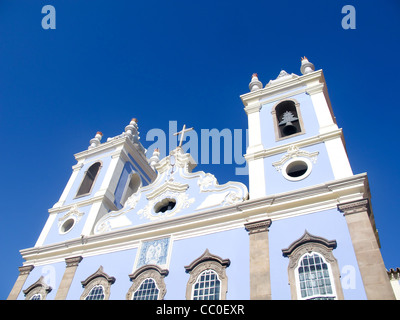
255	84
96	140
306	66
155	158
132	132
132	128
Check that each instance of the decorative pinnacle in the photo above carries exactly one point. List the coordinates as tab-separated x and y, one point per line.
255	84
132	128
155	158
306	66
96	140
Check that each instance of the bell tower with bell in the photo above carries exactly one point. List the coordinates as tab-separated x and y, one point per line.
294	140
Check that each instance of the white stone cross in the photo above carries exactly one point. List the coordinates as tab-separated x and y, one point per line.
184	130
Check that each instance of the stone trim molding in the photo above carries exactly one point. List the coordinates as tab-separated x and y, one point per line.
308	243
275	120
73	261
207	261
260	279
364	237
97	278
39	287
25	269
355	207
358	207
19	283
69	273
148	271
258	226
308	238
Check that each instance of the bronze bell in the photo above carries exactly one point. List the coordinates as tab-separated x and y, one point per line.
287	119
289	129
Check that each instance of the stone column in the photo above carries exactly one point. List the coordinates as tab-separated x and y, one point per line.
72	264
370	262
23	275
260	282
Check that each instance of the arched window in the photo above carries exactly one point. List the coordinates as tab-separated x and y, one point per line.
97	293
88	180
38	290
313	270
147	283
313	277
207	286
287	119
147	291
208	280
133	184
97	286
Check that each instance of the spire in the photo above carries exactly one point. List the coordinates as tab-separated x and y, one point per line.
96	140
306	66
255	84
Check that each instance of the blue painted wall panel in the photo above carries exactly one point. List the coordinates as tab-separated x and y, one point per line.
52	274
321	172
54	236
232	244
328	224
117	264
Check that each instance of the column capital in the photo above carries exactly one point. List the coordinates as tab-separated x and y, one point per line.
354	207
258	226
73	261
25	269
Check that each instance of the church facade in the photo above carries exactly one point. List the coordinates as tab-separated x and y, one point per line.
129	225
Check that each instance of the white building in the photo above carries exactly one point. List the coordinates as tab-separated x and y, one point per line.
132	226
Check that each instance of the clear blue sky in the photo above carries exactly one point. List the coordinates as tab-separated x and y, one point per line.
108	61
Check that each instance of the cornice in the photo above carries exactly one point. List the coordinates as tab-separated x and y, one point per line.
290	84
279	206
336	133
83	203
109	145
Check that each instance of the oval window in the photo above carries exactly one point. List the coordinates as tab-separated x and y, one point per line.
67	225
165	205
297	169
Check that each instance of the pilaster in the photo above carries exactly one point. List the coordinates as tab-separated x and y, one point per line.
23	275
260	282
370	262
72	265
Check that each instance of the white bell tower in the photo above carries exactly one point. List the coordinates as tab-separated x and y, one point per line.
294	140
105	175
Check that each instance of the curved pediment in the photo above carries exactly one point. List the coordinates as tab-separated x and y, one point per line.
176	191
